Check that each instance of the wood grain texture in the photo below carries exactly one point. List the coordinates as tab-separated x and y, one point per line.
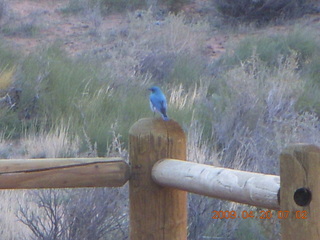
239	186
300	168
156	213
63	173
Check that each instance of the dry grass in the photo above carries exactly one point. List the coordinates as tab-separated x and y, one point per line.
6	77
54	144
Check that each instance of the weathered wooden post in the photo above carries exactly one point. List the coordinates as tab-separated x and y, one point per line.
300	192
156	213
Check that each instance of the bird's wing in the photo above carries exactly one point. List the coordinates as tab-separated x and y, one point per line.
152	99
154	103
163	107
153	109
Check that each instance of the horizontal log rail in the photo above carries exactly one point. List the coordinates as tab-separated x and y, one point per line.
63	173
255	189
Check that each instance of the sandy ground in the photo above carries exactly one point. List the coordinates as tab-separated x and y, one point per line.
52	25
78	32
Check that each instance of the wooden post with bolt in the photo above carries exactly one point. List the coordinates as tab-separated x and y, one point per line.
156	212
299	192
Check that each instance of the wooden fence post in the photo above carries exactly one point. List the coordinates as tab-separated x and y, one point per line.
156	213
300	192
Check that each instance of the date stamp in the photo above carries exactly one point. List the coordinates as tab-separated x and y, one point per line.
259	214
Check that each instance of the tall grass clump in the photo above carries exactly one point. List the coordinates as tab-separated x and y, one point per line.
8	62
106	113
52	85
57	143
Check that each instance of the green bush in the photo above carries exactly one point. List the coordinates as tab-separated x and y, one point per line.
122	5
187	70
75	7
56	89
109	6
24	29
261	11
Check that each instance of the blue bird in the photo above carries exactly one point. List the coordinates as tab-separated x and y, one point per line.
158	102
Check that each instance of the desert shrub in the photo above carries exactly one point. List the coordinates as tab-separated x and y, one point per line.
75	7
274	50
8	57
105	6
187	70
75	214
261	11
310	100
23	29
269	48
111	6
244	118
160	66
52	86
122	5
174	34
184	68
174	5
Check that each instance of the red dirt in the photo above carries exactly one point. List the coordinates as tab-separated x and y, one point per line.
73	31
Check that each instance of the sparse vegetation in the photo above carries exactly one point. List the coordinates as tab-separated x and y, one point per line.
262	11
239	109
76	214
28	29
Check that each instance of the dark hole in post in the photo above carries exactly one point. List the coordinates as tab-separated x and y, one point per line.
302	197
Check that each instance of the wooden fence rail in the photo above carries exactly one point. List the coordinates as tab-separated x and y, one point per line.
255	189
63	173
